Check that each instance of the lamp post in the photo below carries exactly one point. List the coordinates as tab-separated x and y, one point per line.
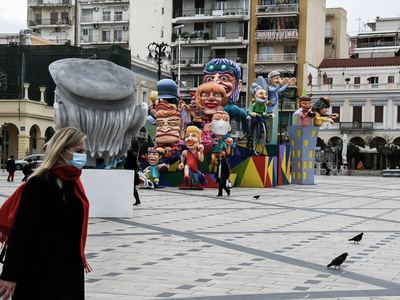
4	132
179	54
159	52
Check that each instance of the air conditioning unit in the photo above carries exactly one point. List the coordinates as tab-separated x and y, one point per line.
125	28
96	26
58	29
208	24
96	9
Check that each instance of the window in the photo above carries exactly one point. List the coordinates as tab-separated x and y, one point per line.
357	114
329	80
53	18
241	29
378	114
199	6
266	53
198	55
65	18
106	15
144	96
162	10
398	113
221	5
328	29
85	31
118	35
219	53
162	32
243	6
336	110
221	30
197	80
357	80
390	79
118	16
106	36
198	26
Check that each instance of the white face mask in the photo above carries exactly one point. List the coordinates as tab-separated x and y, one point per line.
78	160
220	127
259	100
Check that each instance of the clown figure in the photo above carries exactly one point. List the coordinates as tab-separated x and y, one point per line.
192	156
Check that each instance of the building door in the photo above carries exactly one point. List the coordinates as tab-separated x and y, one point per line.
357	114
53	18
221	30
198	55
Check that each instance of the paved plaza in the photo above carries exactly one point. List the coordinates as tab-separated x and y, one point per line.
188	244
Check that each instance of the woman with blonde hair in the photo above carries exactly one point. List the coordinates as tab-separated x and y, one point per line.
44	226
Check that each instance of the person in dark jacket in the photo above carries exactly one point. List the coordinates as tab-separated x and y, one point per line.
27	170
45	252
131	164
222	175
11	168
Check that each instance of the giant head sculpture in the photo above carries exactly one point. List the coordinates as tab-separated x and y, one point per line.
98	98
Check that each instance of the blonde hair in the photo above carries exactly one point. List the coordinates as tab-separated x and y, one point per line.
208	87
63	139
194	129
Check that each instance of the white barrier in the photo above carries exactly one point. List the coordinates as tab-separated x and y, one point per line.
110	192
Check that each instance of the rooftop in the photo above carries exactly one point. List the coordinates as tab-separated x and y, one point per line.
360	62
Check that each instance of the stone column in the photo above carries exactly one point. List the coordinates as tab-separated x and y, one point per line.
42	90
40	141
26	87
23	145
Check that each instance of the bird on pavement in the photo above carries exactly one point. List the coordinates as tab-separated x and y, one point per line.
338	260
357	238
256	197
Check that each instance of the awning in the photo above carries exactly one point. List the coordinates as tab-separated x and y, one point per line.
229	47
266	68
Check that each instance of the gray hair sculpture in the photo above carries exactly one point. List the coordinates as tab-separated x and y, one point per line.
98	98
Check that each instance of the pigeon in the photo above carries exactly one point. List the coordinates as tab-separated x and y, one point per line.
357	238
256	197
338	260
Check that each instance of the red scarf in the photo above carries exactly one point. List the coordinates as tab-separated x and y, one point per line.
10	207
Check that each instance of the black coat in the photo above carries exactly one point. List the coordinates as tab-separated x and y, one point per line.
43	255
225	172
11	165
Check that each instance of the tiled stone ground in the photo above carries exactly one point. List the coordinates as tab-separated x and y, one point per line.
184	244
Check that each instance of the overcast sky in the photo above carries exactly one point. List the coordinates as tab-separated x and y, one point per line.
359	12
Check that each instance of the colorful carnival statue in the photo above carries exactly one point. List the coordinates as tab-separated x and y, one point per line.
220	127
258	110
226	73
154	156
305	114
320	109
277	85
195	111
169	134
210	97
190	157
152	107
168	98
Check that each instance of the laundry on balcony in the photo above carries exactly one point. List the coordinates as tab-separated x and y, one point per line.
276	35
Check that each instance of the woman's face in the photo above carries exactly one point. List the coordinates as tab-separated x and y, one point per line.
81	148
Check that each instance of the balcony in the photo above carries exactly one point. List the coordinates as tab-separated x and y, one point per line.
289	105
49	22
50	3
191	61
106	19
283	57
278	9
358	87
234	13
278	35
211	38
378	44
356	127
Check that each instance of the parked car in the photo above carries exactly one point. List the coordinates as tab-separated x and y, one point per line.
20	163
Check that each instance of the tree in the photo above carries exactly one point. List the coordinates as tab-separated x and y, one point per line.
388	149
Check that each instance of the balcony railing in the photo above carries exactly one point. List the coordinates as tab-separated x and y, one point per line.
54	2
106	18
187	61
281	8
276	35
378	44
51	22
275	57
289	105
365	86
364	127
202	36
202	12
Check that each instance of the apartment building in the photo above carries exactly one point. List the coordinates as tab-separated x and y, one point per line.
53	20
204	30
336	39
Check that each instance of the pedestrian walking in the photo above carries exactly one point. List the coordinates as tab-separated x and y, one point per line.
49	219
131	164
11	168
27	170
223	172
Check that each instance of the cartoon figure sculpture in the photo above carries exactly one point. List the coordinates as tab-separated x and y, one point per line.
320	108
98	98
152	108
277	85
305	114
220	127
168	98
192	156
154	156
258	110
169	134
210	97
226	73
195	111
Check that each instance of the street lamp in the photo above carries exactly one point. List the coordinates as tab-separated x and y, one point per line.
179	54
159	52
4	132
